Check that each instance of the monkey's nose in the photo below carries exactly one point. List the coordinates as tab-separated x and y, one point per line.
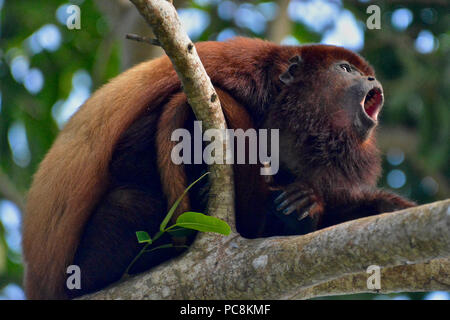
370	78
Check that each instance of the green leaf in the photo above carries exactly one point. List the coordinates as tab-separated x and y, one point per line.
143	237
202	222
175	205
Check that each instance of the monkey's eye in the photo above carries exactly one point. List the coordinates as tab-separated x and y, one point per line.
346	67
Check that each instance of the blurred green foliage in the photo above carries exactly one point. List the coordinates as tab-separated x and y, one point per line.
415	120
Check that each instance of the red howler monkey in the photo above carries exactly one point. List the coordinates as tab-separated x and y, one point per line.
109	173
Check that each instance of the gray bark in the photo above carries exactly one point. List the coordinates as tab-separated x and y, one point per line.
412	248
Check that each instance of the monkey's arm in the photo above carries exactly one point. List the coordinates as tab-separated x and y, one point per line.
298	210
368	203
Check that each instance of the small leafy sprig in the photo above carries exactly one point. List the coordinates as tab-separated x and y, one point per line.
188	220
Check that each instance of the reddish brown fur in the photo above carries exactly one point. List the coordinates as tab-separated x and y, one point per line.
173	117
74	175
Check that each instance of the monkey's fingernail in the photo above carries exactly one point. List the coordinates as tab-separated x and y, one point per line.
280	197
308	210
303	216
288	210
282	205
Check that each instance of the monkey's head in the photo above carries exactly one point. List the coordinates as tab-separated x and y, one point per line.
339	84
326	108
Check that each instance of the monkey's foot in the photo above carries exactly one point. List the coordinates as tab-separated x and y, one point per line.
304	202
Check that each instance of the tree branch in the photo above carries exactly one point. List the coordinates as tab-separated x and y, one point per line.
278	268
163	18
428	276
139	38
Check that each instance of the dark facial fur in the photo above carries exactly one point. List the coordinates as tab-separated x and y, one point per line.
324	124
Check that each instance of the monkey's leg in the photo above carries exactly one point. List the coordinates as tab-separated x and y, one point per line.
368	203
109	243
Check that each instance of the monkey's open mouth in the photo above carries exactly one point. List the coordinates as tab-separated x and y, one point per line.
372	103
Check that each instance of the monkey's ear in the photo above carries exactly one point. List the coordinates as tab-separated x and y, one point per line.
288	76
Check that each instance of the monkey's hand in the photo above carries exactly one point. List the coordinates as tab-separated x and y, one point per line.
301	200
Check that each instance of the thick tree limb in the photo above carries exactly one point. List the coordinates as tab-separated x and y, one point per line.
427	276
401	243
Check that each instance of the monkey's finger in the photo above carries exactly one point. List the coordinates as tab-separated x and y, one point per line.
296	205
280	197
307	211
285	194
294	197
